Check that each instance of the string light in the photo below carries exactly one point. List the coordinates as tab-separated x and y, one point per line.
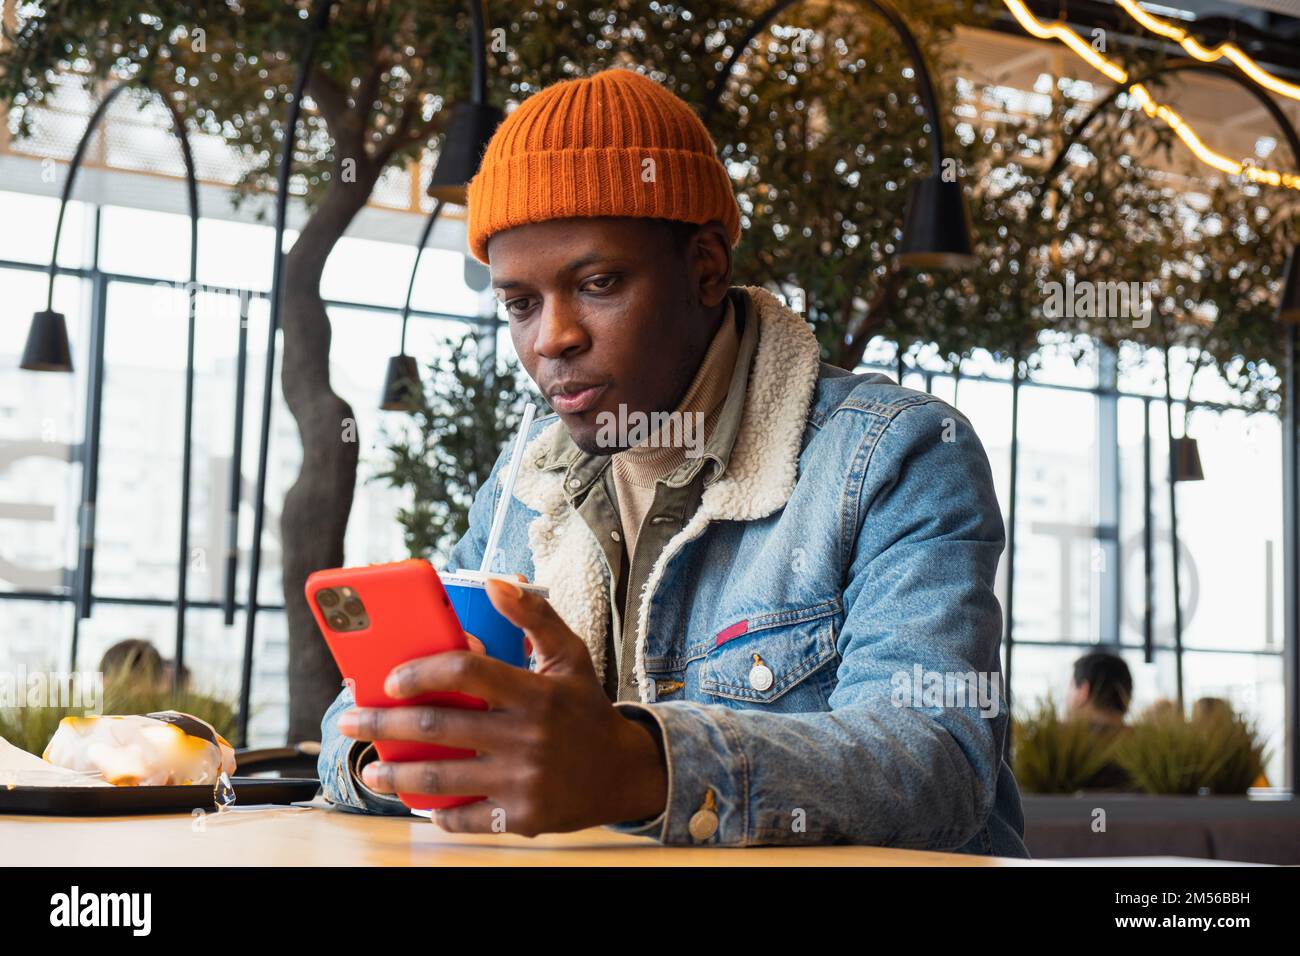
1059	31
1229	50
1143	98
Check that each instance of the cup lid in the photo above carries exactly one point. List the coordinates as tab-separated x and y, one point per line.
471	578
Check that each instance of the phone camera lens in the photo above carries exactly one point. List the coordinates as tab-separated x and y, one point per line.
327	598
353	607
338	621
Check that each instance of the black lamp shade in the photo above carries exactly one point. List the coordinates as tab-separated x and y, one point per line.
47	344
401	385
936	227
1288	310
1187	460
469	128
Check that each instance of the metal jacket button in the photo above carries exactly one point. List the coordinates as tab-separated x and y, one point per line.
760	675
704	821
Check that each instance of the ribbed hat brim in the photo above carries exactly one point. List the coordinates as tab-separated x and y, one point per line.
577	183
546	161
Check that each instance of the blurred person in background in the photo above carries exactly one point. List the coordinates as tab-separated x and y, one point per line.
134	662
1101	689
1208	710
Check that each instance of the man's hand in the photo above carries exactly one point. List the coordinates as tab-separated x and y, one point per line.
553	752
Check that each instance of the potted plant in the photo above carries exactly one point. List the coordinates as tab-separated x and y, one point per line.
466	411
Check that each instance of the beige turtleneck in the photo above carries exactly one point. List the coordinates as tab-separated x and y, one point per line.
638	469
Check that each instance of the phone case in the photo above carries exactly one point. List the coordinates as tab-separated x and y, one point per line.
409	616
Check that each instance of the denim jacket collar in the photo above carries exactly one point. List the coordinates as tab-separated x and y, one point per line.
760	476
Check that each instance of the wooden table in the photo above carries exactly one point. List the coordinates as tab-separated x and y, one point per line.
321	837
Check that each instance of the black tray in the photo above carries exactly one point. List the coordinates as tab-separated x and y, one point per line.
110	801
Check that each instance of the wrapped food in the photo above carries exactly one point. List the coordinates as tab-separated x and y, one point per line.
162	749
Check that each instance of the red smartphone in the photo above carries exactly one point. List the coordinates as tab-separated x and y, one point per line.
377	617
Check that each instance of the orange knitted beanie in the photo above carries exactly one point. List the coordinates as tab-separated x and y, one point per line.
612	144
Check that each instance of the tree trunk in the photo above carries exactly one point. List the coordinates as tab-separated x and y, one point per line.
316	508
850	353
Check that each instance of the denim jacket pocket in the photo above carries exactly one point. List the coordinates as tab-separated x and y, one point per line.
772	660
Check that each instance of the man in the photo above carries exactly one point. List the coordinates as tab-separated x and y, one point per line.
733	610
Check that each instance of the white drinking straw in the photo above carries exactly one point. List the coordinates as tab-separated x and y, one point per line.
507	492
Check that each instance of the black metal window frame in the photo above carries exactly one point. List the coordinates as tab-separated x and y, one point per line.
81	593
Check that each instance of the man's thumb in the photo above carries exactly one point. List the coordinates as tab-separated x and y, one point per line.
543	627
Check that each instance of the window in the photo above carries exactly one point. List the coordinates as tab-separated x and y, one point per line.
1083	493
141	267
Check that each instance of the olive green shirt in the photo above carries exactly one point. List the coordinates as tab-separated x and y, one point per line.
677	496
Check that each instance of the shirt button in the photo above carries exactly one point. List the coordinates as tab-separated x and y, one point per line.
760	676
574	483
616	536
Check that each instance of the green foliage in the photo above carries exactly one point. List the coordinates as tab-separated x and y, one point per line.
820	125
1055	755
1224	290
1212	250
1162	752
825	130
441	453
1168	753
230	68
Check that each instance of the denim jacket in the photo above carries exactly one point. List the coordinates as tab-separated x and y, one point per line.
819	644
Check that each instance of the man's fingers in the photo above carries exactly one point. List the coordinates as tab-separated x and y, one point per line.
462	778
549	635
528	645
494	681
475	645
480	730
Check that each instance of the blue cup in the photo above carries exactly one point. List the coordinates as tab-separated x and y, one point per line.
469	599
